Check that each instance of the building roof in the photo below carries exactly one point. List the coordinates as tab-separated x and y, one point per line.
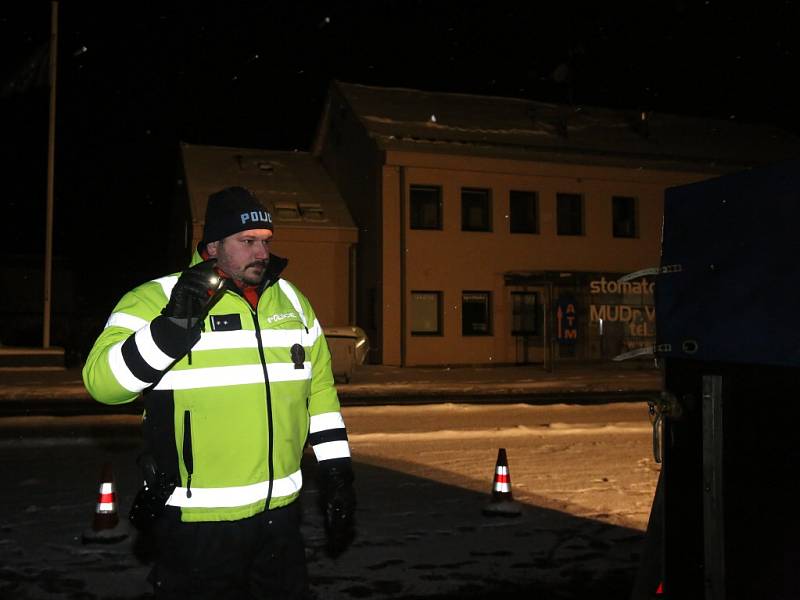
294	185
420	121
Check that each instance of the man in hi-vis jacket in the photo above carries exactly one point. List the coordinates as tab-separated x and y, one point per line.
235	375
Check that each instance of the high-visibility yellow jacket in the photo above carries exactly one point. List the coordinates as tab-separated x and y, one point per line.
228	421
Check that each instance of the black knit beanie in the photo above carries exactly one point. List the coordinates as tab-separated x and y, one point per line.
232	210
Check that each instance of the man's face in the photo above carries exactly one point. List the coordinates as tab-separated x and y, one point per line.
244	255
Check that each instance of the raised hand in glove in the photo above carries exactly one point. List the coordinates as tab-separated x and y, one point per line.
194	293
338	500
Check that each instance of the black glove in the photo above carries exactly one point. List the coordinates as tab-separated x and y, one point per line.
151	500
338	500
194	293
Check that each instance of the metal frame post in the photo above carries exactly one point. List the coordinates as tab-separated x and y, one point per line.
713	500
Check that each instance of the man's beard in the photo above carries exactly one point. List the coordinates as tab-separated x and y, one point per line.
254	279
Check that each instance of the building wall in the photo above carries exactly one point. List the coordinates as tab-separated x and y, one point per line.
452	261
352	161
392	264
320	267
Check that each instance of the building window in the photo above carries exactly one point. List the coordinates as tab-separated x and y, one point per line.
426	207
523	311
476	312
476	209
569	208
624	213
426	313
523	212
312	211
287	211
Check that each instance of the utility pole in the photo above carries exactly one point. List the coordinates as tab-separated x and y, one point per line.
48	252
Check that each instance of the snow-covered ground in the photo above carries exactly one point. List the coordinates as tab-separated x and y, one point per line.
584	476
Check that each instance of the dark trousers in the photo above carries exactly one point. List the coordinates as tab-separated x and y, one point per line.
261	557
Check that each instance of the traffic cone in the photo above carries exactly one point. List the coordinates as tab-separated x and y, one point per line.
502	503
106	526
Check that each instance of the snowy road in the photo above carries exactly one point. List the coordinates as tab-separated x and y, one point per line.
584	475
593	461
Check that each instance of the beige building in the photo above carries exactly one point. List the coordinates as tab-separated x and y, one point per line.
313	227
493	230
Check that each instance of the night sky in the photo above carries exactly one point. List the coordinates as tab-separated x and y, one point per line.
135	81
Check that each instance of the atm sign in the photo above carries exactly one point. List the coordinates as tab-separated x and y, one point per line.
566	321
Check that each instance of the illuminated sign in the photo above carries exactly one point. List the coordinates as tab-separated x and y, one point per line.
566	321
612	286
639	318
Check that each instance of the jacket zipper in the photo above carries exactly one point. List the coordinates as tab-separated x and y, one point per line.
270	466
188	459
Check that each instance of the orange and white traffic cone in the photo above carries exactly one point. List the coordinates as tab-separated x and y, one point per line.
502	502
106	526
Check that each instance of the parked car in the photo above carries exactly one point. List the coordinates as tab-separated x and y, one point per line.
349	346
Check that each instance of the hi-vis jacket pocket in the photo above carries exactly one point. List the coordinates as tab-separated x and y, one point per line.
188	457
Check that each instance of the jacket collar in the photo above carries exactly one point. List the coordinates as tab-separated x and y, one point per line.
275	267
